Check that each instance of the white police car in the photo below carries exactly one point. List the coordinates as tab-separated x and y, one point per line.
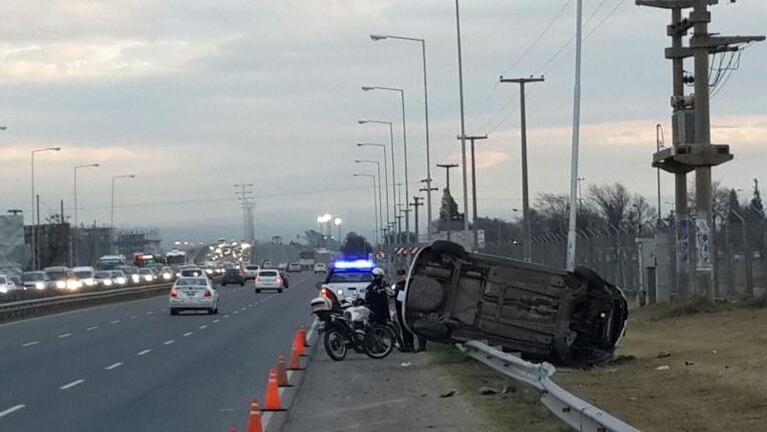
349	279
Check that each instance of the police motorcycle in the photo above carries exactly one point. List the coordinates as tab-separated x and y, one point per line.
347	324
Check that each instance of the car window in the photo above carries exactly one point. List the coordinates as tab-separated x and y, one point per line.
192	282
118	273
32	277
103	274
341	277
57	274
268	273
145	271
83	274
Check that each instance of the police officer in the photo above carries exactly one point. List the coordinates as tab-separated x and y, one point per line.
375	297
399	296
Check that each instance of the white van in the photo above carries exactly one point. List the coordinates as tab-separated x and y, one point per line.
86	275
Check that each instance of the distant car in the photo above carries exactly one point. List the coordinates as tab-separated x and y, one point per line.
192	272
166	274
269	280
104	279
6	284
193	293
251	271
294	267
147	275
349	279
63	278
86	275
320	268
119	278
266	264
36	280
131	273
233	276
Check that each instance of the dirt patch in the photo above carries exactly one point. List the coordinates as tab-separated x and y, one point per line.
695	367
508	404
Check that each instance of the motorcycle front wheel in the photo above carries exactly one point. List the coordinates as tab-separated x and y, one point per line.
335	344
379	341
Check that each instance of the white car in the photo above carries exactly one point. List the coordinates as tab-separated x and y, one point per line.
251	271
193	293
320	268
269	280
86	275
6	285
349	279
294	267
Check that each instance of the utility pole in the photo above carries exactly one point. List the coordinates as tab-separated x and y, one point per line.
417	202
525	189
428	189
692	148
247	203
580	190
447	168
463	121
473	138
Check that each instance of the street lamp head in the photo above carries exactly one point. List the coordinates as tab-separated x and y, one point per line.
56	148
375	37
357	161
361	121
367	88
96	165
338	221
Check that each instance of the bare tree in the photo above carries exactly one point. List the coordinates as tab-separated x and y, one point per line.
641	212
612	201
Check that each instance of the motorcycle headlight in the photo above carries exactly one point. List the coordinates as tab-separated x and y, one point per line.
39	285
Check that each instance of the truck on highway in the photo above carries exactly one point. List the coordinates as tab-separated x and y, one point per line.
306	259
176	257
111	262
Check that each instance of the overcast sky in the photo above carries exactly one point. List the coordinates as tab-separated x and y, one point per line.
193	97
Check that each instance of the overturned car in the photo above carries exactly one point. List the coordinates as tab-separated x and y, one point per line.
545	314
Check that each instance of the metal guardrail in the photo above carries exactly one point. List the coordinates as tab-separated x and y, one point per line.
576	412
19	308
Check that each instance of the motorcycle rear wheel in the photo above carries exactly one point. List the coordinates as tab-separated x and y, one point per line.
335	344
379	341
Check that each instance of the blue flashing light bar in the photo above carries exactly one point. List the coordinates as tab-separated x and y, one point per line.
360	264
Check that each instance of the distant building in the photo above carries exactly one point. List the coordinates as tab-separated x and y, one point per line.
129	242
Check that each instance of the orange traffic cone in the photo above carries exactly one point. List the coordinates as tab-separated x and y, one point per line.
282	373
302	330
298	344
295	360
254	418
272	399
233	430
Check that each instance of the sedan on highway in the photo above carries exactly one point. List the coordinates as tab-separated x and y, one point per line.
193	293
269	280
147	275
35	280
63	278
6	285
119	277
251	270
85	275
104	279
294	267
320	268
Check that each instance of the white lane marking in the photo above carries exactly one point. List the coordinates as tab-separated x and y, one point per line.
242	308
226	316
133	317
216	320
12	409
235	312
114	322
114	366
29	344
202	327
91	328
187	334
150	313
64	335
72	384
250	304
168	342
144	352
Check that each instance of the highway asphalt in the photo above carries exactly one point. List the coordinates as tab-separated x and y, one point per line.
133	367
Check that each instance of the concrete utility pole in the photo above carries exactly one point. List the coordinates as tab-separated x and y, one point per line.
692	148
428	189
525	188
572	223
447	168
417	202
248	204
474	186
463	121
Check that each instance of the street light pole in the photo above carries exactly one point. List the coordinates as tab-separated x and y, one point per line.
404	145
112	207
33	225
426	117
474	188
393	163
463	122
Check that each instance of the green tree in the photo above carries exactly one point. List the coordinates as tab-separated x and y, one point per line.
356	246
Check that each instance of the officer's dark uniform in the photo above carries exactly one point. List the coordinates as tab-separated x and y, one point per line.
375	297
407	337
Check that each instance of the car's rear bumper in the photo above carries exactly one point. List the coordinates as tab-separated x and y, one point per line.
269	287
539	311
189	304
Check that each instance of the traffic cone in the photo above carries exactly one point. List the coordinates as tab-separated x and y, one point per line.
295	360
272	399
282	373
233	430
302	330
254	418
298	344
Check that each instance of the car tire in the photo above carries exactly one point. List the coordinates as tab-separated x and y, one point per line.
242	284
223	284
173	311
258	291
215	311
210	311
449	248
279	291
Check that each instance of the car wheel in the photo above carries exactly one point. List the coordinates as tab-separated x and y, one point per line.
223	284
449	248
215	311
279	291
242	283
173	311
210	311
258	291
